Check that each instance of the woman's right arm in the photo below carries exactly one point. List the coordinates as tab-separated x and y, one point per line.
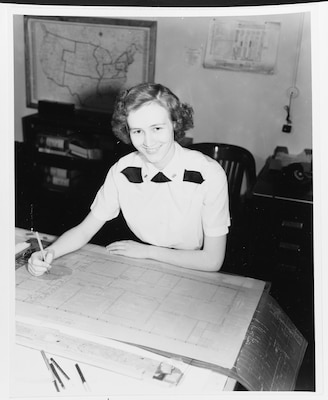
71	240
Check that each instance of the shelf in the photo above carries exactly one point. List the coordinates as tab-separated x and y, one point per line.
54	205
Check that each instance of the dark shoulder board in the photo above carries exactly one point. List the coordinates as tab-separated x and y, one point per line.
133	174
193	176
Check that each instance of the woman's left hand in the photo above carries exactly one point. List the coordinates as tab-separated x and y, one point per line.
128	248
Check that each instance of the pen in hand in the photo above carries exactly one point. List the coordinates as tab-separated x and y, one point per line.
41	249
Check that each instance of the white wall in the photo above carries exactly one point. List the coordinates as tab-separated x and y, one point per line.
240	108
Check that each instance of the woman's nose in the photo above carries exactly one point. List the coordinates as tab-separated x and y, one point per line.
148	139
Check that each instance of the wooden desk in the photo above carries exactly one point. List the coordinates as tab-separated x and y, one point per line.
207	320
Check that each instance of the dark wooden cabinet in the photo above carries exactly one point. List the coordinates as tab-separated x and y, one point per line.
281	239
281	251
281	244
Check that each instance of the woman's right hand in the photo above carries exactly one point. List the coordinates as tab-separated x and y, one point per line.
36	266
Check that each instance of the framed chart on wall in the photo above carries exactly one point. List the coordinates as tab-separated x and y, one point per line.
86	61
242	45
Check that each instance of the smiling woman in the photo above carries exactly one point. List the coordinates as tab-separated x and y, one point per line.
183	220
181	114
152	134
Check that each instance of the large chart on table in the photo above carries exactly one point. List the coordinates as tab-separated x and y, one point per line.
204	316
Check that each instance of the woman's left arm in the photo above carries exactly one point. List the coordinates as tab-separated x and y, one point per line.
209	258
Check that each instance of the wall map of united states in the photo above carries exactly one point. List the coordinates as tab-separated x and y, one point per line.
85	64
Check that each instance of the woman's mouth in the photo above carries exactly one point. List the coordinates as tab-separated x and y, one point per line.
151	150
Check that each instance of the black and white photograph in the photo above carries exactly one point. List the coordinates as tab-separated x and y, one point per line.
165	200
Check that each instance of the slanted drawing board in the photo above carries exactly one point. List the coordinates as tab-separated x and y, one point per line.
200	316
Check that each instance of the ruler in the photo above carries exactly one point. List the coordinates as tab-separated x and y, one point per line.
93	352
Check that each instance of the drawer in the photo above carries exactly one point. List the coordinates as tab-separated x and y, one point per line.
281	240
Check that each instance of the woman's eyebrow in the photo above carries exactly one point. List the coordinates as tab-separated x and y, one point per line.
155	124
159	123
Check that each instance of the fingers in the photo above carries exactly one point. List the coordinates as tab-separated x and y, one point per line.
119	242
50	255
121	248
36	266
116	247
127	248
35	270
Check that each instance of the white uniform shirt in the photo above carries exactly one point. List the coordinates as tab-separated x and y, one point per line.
173	214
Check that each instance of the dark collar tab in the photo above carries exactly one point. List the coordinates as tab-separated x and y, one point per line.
193	176
133	174
160	178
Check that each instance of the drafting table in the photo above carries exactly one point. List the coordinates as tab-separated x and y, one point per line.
202	323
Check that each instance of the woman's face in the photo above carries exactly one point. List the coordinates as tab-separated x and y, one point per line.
152	133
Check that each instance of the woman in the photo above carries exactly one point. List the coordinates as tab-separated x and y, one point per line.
174	200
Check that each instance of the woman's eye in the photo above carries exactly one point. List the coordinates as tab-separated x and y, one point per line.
136	132
157	128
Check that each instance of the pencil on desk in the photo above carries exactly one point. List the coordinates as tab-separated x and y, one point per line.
84	382
50	370
56	375
59	368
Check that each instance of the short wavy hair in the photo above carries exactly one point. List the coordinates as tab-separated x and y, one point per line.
130	100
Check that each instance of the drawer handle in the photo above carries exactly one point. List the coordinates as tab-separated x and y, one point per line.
292	224
290	246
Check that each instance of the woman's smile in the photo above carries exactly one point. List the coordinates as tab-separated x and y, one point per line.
152	133
151	150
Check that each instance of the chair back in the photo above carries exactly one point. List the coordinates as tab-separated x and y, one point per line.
238	163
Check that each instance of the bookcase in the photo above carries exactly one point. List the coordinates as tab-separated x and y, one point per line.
66	158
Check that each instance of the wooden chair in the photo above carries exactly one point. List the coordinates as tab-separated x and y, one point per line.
239	165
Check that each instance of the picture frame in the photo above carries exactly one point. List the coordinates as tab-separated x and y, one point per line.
242	45
86	61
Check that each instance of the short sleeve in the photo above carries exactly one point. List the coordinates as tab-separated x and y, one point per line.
215	213
106	203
